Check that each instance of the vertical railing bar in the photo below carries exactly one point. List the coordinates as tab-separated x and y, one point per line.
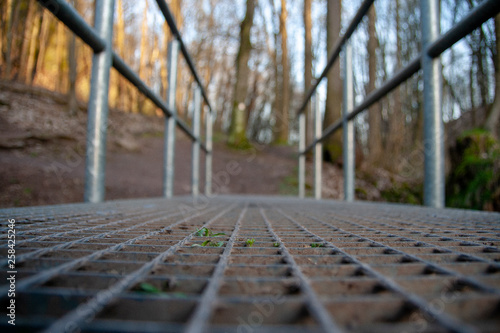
97	121
318	149
348	126
169	136
434	177
302	156
208	156
195	159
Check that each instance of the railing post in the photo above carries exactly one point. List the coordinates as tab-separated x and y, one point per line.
302	156
195	159
169	136
348	126
208	156
434	178
97	121
318	150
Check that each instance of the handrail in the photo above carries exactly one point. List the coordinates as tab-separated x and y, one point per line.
477	16
94	182
173	27
70	17
433	49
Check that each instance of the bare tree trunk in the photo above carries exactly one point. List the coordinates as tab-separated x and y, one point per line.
482	76
308	59
176	8
220	101
71	96
396	120
333	145
32	56
120	45
252	98
72	102
282	113
493	117
44	36
143	56
132	93
209	53
475	103
278	78
478	46
13	9
163	61
59	56
237	135
27	41
4	21
153	59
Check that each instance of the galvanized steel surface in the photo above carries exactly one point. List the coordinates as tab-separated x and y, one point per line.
313	266
169	136
318	149
434	174
97	118
349	142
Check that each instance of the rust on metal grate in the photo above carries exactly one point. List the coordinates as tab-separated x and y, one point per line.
261	264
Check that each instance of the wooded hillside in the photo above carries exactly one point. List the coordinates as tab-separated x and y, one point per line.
257	57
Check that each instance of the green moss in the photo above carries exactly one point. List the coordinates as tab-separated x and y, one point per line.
474	181
361	193
239	143
403	193
290	185
332	152
218	137
281	142
152	134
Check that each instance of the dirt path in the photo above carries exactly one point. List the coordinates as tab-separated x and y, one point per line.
29	178
42	155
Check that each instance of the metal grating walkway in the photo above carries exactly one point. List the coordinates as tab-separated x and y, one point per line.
130	266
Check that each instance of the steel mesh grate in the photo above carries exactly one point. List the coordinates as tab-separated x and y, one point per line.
134	266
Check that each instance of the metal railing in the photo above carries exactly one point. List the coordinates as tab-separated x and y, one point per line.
100	40
433	45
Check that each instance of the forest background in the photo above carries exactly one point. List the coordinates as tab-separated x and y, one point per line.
258	57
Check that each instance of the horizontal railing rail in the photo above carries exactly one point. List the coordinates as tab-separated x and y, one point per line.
98	39
433	47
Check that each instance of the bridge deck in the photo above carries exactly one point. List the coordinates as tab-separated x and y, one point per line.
138	266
